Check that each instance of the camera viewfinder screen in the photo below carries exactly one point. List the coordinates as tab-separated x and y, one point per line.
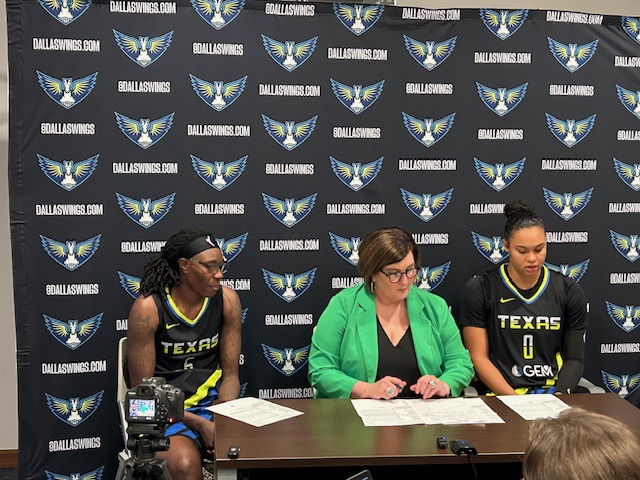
142	409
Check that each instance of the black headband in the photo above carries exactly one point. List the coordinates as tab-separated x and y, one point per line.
194	247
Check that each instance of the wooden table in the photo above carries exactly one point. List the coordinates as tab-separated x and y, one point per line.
331	434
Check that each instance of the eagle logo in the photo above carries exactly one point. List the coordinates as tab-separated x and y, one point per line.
289	134
504	23
629	174
289	286
572	56
144	132
428	131
92	475
70	254
289	211
356	176
65	11
217	94
429	278
357	18
143	50
73	333
231	248
574	272
289	55
145	212
632	27
627	317
429	54
501	101
67	174
623	385
570	132
218	13
630	100
287	361
130	284
219	175
426	206
66	91
357	98
75	410
346	248
499	176
625	246
491	248
567	205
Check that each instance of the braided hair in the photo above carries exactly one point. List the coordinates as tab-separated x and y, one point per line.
162	270
520	214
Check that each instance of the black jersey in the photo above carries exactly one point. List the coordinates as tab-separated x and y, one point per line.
524	329
187	351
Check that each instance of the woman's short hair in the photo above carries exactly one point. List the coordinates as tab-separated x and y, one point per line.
382	247
520	214
581	445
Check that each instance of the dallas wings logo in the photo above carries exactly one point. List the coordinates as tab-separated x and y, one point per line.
567	205
428	131
570	132
289	55
630	100
623	385
65	11
219	175
491	248
143	50
217	94
356	176
75	410
627	317
231	248
289	211
92	475
70	254
629	174
289	134
429	278
504	23
626	246
357	18
346	248
67	174
572	56
218	13
426	206
289	286
145	132
357	98
73	333
429	54
499	176
287	361
145	212
66	91
632	27
574	272
501	101
130	284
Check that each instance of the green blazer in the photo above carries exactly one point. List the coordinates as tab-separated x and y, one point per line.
344	346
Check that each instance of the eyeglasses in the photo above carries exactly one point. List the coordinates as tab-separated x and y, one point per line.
395	277
212	268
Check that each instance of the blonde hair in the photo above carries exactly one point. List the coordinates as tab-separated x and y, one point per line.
581	445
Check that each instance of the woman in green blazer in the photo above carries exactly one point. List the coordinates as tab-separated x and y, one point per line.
386	338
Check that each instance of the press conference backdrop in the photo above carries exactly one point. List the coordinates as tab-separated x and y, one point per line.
290	130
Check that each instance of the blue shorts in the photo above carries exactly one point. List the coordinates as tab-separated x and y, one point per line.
182	429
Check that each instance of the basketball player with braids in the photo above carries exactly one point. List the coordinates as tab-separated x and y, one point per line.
524	324
186	327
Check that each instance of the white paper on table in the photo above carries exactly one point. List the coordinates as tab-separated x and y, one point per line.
531	407
386	413
451	411
254	411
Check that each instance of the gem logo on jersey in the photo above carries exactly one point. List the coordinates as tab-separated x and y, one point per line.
570	132
629	174
145	212
287	361
75	410
574	272
289	286
130	284
357	18
218	13
504	23
231	248
289	211
217	94
501	101
627	317
346	248
429	131
429	278
426	206
357	98
289	55
65	11
356	176
92	475
499	176
67	174
632	27
623	385
70	254
626	246
429	54
219	175
289	134
143	50
73	333
572	56
567	205
491	248
630	100
145	132
66	91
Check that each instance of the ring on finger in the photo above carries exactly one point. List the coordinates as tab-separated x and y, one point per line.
390	391
433	383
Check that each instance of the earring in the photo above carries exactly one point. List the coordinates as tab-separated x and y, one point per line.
372	286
